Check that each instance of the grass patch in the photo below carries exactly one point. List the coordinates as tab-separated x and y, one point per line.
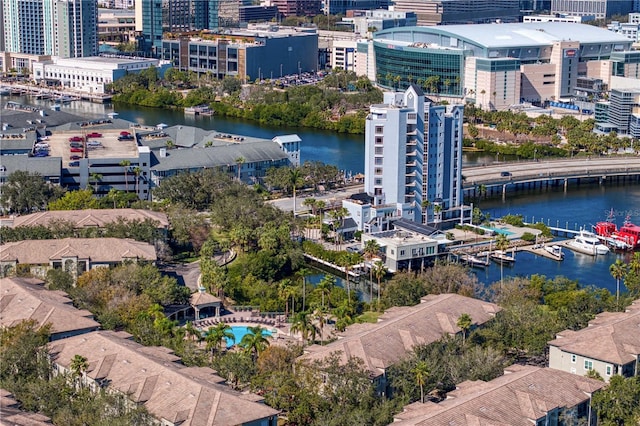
368	316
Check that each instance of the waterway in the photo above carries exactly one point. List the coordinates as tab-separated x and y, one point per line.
579	206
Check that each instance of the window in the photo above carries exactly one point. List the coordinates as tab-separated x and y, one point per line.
574	358
378	171
379	140
401	252
379	130
608	371
588	365
379	150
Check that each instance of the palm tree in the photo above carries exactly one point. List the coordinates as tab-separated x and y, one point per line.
255	341
78	366
137	171
320	206
320	316
437	211
502	244
338	215
295	181
464	322
192	331
302	323
371	249
96	178
125	164
325	286
421	372
239	162
347	260
617	271
380	271
286	290
217	337
302	273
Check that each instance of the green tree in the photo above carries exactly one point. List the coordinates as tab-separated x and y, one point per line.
81	199
617	271
617	404
371	250
325	286
303	323
255	341
78	366
380	271
25	192
464	323
239	162
126	164
217	337
421	372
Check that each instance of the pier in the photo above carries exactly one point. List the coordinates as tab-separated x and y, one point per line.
65	94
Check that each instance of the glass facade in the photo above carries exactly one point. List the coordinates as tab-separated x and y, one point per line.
436	71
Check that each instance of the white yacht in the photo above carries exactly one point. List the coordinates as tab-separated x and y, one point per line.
588	243
501	257
555	251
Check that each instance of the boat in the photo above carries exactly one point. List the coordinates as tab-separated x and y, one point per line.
474	261
588	243
625	238
502	257
199	110
555	251
4	91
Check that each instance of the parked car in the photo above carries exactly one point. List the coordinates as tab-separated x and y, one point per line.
125	137
505	174
75	139
94	143
75	157
124	133
77	150
94	135
74	164
76	145
41	154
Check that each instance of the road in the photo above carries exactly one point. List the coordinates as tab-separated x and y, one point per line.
526	171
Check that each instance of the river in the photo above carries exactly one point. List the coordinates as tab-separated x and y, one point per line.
577	207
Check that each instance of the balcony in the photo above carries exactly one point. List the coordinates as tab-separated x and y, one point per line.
413	163
412	153
411	173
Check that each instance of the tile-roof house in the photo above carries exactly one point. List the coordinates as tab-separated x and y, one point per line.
399	329
24	299
523	396
610	344
73	254
11	415
95	218
154	377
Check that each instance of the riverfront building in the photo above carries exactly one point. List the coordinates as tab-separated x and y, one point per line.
248	55
65	28
92	75
413	156
601	9
499	65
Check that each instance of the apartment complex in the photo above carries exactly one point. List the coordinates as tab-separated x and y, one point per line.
65	28
413	156
609	345
155	378
26	299
399	329
499	65
523	396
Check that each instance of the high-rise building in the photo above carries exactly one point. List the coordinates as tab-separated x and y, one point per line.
153	17
445	12
413	156
65	28
601	9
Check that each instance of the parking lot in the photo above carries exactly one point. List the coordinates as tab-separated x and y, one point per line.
83	146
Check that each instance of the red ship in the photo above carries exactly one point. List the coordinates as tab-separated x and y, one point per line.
627	237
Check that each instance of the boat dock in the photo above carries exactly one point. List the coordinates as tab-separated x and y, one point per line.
63	95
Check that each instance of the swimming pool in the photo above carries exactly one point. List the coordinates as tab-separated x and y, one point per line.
502	231
240	330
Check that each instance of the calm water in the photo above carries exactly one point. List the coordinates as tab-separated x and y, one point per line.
577	207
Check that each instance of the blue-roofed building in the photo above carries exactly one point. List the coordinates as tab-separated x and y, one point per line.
499	65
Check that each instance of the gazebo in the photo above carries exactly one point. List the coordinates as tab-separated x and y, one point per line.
205	305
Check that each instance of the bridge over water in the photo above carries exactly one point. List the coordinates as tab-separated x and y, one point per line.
500	178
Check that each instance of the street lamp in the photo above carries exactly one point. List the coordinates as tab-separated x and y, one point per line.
260	73
299	69
280	70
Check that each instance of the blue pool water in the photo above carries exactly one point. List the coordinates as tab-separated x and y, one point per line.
239	331
497	230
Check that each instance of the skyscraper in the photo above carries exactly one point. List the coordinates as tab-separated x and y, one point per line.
413	156
153	17
65	28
